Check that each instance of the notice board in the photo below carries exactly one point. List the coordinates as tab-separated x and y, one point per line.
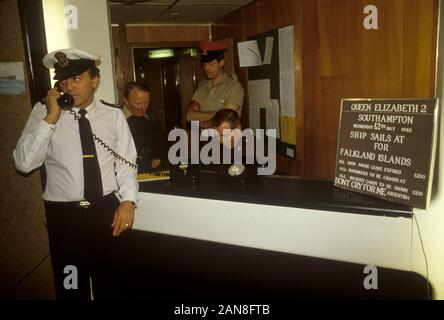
270	58
386	148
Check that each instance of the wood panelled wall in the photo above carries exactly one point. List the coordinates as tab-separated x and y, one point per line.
336	57
158	34
167	33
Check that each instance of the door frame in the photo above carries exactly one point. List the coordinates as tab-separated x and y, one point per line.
153	45
199	75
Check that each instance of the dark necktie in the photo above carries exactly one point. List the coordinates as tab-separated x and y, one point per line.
91	170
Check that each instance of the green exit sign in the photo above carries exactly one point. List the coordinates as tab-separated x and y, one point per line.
161	53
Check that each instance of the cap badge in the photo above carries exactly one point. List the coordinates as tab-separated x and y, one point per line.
62	59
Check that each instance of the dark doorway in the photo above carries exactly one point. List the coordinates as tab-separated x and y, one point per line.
34	41
171	93
172	80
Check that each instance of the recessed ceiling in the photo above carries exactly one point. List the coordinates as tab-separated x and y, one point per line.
172	11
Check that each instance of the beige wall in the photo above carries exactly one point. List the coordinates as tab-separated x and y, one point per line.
23	238
93	34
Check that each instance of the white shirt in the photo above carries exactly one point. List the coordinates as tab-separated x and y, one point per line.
59	147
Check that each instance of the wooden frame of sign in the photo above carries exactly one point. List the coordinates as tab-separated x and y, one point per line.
386	148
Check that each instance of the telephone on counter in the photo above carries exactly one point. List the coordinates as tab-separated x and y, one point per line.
239	174
185	174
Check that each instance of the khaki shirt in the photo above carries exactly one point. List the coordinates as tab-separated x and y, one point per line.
214	98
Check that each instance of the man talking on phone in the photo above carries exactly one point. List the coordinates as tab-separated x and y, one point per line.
90	192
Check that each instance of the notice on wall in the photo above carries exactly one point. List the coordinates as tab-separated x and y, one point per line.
386	148
259	97
249	54
287	80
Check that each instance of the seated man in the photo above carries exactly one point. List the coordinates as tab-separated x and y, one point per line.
227	119
227	123
149	137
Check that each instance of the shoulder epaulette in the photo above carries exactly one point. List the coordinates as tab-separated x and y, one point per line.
111	104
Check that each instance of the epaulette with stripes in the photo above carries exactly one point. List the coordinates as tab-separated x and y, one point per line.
111	104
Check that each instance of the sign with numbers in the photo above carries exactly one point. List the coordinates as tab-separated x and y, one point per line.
386	148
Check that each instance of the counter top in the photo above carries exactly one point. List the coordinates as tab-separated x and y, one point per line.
281	191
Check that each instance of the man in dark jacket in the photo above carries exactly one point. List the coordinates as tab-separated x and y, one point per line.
148	135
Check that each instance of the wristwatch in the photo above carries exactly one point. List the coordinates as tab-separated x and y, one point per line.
133	203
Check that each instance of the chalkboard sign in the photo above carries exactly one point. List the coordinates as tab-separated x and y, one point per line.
386	148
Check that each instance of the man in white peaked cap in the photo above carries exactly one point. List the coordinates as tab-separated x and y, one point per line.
90	192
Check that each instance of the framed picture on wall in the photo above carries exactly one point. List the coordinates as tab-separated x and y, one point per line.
12	78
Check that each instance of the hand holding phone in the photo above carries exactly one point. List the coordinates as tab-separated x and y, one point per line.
65	100
55	101
52	106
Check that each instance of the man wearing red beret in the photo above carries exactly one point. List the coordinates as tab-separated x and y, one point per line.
220	90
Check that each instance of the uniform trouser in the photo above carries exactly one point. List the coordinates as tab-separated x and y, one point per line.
82	237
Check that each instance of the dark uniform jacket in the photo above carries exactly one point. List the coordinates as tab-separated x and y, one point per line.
150	140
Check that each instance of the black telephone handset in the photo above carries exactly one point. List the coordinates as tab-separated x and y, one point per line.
65	101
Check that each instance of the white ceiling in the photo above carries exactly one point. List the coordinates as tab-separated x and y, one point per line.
173	11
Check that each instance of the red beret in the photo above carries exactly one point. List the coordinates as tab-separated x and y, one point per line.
210	51
211	46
